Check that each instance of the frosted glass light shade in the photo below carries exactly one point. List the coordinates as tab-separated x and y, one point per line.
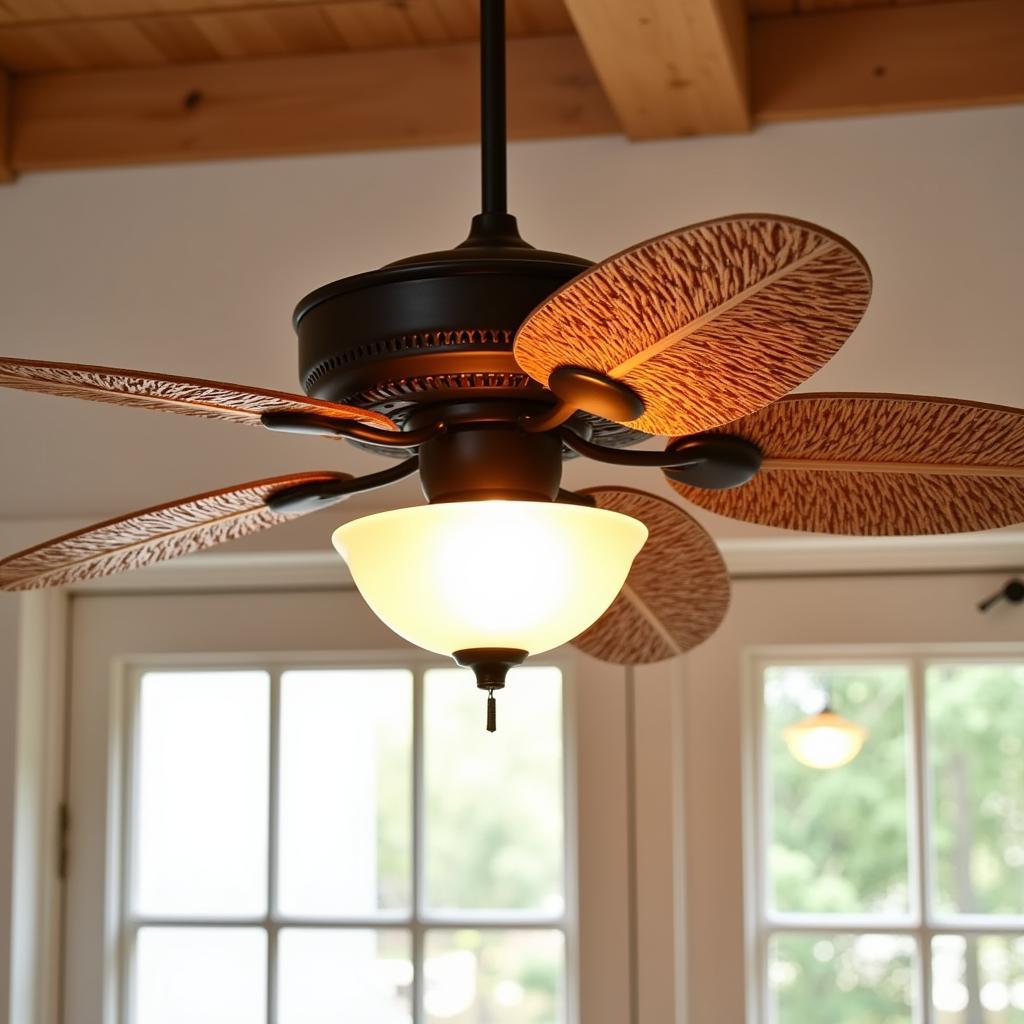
825	740
526	575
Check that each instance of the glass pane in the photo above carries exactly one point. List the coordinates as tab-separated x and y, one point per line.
346	791
978	979
515	976
841	979
330	975
975	722
201	975
201	802
838	837
494	816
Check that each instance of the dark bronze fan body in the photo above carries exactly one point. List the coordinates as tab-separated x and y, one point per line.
437	329
429	328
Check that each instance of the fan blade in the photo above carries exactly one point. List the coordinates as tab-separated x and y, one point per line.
676	594
153	535
707	323
190	396
878	465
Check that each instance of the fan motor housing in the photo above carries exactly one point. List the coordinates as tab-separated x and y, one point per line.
437	328
430	329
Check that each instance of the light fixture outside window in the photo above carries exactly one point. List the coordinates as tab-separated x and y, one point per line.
825	740
460	576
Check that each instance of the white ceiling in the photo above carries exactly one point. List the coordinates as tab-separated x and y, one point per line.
194	269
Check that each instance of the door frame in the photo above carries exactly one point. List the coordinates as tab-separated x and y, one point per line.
627	883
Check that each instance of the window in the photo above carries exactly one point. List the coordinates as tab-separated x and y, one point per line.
334	842
891	889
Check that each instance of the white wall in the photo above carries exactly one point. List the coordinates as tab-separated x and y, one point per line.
195	269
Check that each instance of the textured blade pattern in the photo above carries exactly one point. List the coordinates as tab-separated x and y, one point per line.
152	535
708	323
876	443
190	396
677	592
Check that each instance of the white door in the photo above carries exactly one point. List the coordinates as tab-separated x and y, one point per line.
197	852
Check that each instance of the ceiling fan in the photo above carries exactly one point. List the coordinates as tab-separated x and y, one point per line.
484	366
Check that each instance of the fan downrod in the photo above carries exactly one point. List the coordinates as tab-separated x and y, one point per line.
439	327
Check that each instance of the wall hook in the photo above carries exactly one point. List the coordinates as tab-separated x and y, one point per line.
1012	591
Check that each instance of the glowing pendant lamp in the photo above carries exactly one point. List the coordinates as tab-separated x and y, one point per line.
825	740
470	575
490	582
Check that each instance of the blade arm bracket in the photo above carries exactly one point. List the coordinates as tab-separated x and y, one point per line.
720	461
626	456
323	493
577	387
320	426
708	461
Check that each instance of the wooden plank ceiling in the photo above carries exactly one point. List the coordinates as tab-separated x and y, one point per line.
94	82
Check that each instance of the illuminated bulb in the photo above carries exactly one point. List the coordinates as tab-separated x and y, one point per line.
522	576
825	740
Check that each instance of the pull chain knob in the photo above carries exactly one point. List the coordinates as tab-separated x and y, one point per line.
490	666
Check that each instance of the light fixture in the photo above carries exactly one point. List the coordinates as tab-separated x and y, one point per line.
825	740
490	582
483	366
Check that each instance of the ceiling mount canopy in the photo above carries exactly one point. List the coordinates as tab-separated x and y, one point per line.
482	367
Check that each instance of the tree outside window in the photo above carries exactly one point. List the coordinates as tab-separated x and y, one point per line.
892	888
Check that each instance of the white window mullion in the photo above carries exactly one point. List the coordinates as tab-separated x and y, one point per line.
352	923
129	945
491	922
131	682
418	936
920	837
761	810
848	924
977	924
763	1002
273	929
273	828
570	866
763	826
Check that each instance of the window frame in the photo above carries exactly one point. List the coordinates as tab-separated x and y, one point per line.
921	923
419	920
627	811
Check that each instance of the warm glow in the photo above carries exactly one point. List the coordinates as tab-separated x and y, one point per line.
825	740
527	575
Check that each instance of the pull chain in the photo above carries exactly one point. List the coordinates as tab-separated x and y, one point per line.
492	712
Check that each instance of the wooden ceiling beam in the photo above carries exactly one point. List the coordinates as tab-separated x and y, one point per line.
849	62
32	12
315	103
885	59
669	67
259	29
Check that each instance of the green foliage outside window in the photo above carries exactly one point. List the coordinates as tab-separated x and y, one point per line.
838	841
